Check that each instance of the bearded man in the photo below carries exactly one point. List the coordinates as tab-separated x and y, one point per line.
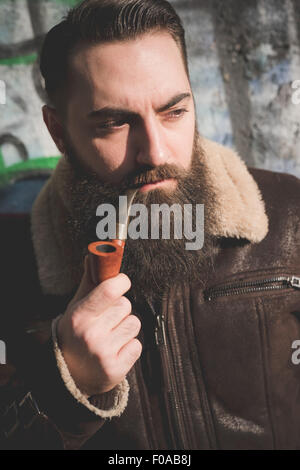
184	349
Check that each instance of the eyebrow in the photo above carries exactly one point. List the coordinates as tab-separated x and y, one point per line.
113	112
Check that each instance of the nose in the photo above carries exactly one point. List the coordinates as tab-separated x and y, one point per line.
152	148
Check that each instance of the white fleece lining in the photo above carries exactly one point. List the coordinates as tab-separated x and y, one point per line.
121	390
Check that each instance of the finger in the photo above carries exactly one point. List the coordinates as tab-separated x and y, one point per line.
114	315
128	329
130	353
86	284
106	294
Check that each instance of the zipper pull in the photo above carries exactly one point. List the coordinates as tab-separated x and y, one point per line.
160	332
295	282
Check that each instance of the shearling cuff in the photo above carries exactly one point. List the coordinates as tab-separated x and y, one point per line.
112	403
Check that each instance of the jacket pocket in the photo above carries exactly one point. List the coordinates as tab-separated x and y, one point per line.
250	321
267	283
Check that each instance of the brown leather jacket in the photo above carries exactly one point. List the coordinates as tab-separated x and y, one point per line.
216	370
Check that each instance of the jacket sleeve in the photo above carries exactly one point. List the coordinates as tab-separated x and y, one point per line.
41	407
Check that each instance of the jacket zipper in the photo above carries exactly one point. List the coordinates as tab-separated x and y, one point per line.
246	287
170	383
177	429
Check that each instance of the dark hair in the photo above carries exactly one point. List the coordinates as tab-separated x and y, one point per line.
98	21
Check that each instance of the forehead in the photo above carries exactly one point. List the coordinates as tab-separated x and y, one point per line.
136	73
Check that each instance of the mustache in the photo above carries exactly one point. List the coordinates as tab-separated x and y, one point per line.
150	175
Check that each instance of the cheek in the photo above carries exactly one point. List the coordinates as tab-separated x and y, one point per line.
110	156
182	144
104	157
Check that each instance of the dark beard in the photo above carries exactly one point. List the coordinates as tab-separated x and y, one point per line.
153	266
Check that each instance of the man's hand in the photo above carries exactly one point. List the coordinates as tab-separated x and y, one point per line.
97	334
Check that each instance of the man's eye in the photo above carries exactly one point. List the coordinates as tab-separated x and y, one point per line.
110	124
176	113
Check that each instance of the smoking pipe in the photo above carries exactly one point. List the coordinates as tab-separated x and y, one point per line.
105	257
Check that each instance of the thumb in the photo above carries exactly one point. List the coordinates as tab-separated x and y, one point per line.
86	285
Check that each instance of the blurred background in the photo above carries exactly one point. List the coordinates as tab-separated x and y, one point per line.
244	58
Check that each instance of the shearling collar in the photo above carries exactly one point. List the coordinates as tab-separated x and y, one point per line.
239	212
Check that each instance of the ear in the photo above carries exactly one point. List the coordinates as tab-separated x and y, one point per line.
55	126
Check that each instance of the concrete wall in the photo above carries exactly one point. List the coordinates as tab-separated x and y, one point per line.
244	58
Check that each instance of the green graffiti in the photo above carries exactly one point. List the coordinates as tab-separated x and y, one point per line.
68	2
21	60
20	169
20	57
2	166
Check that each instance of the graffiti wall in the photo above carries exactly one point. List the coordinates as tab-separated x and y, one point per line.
244	63
25	145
